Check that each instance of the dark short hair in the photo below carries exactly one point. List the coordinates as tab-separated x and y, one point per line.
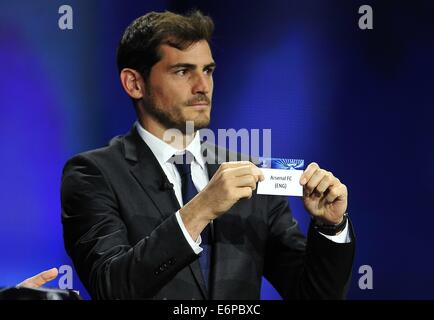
139	46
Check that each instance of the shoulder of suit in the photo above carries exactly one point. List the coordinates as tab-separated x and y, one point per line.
113	149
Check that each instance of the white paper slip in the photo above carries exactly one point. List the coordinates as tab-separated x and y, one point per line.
281	182
282	177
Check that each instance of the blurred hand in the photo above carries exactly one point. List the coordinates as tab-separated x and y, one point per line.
40	279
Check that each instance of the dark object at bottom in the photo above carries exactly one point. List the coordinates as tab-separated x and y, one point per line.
37	294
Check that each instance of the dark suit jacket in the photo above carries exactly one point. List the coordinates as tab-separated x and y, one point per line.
121	232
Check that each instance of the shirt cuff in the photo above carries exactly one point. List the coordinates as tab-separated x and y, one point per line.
195	245
343	237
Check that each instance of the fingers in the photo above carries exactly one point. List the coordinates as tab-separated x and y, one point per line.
241	168
49	274
335	192
40	279
245	192
239	178
307	174
246	181
235	164
327	180
321	182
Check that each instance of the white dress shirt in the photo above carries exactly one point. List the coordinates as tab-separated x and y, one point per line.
199	174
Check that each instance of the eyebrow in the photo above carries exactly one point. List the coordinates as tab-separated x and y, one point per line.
191	66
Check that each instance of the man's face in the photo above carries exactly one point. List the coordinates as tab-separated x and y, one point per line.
180	85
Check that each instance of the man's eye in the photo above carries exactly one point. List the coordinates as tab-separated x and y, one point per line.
181	72
209	71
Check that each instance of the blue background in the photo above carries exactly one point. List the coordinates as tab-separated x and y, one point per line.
359	103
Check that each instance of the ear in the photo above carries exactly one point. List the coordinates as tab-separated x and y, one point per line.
133	83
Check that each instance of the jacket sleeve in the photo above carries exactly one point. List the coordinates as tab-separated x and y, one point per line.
96	239
300	268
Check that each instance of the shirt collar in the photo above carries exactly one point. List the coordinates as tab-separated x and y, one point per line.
164	151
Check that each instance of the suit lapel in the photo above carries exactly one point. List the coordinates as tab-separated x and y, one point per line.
197	274
149	174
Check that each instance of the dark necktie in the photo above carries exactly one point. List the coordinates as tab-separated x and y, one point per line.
182	163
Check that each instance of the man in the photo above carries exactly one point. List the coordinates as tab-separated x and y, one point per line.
139	224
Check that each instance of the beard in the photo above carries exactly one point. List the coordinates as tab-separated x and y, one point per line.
175	118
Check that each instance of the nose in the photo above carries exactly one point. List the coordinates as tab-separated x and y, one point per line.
202	84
